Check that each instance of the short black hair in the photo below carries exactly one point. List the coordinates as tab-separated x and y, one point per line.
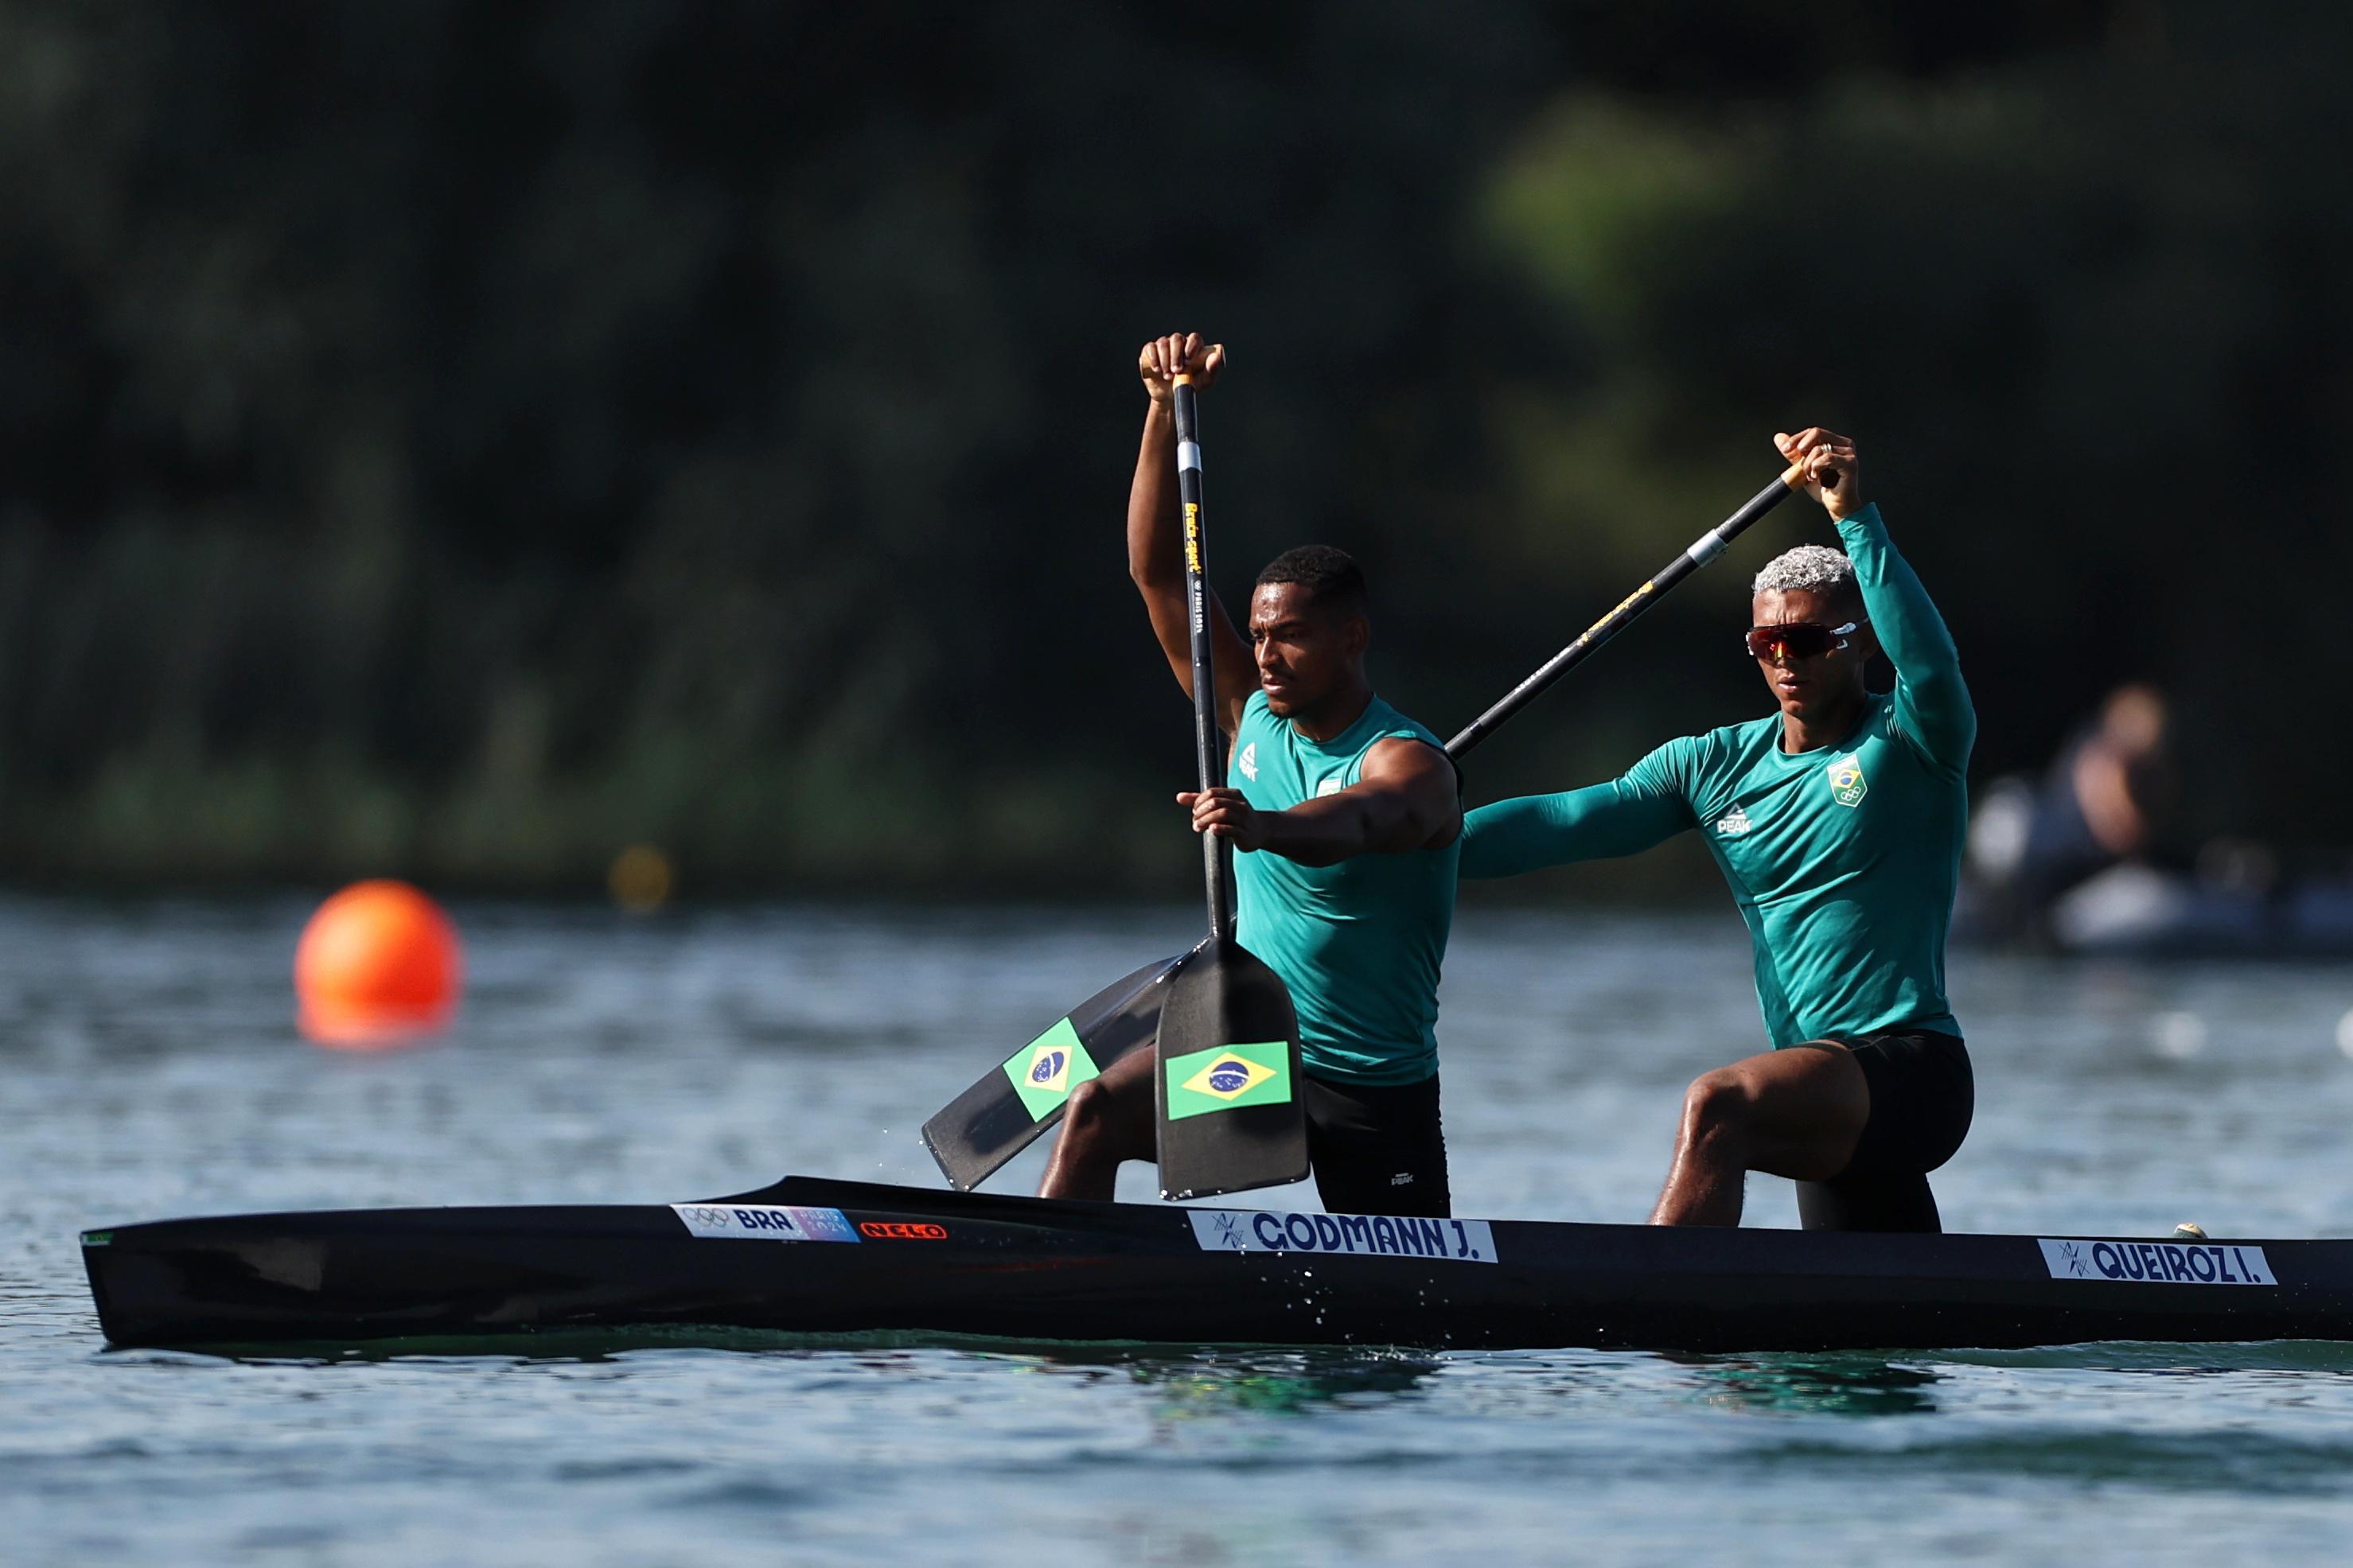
1333	581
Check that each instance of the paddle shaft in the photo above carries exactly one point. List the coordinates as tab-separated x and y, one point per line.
1705	548
1207	737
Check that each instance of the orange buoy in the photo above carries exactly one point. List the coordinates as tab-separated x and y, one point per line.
378	962
640	879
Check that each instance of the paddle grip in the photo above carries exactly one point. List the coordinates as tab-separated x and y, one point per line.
1208	740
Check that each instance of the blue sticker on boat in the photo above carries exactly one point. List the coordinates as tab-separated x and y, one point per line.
2157	1262
765	1222
1359	1236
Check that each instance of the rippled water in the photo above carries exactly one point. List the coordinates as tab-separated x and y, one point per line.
148	1068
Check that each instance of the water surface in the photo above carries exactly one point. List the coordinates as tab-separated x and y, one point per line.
148	1067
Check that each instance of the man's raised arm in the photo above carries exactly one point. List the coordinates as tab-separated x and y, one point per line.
1155	534
1932	700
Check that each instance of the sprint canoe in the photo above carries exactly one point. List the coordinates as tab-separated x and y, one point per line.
808	1255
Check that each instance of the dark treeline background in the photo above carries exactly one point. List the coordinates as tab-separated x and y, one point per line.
461	440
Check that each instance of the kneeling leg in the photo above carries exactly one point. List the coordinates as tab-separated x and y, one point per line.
1795	1112
1897	1201
1108	1121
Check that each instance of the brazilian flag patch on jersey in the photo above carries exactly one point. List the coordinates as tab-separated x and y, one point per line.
1848	786
1227	1078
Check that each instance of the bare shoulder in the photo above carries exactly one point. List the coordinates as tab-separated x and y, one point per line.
1399	760
1421	778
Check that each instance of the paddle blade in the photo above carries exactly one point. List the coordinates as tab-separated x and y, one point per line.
1230	1117
999	1117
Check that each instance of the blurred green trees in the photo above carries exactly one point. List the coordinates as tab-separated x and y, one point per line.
2087	311
465	439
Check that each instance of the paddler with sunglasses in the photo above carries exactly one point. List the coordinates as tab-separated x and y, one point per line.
1837	821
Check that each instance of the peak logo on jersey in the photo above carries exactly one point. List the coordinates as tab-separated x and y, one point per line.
1733	823
1329	786
1247	762
1848	786
1044	1071
1227	1078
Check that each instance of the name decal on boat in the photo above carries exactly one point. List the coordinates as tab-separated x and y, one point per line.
765	1222
901	1230
2157	1262
1362	1236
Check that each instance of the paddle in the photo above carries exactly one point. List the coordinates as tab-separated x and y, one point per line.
1000	1115
1227	1088
1703	549
997	1117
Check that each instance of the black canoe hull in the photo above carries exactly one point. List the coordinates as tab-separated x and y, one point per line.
959	1265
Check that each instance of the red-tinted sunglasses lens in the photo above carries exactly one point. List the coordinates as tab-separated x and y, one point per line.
1798	639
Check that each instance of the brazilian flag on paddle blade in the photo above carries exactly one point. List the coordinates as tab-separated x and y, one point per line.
1025	1093
1229	1078
1044	1071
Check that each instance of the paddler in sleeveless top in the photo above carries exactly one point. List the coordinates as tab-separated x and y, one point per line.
1839	823
1346	816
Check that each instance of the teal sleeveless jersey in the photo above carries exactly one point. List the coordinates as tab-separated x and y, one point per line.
1358	943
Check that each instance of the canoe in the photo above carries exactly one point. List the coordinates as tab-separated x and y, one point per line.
820	1258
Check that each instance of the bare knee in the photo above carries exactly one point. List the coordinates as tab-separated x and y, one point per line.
1717	1107
1109	1121
1089	1113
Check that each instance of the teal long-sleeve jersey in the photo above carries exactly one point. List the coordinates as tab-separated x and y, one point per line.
1843	859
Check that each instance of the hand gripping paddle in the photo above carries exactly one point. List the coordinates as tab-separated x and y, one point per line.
1227	1084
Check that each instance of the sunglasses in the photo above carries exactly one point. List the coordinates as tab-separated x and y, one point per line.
1798	639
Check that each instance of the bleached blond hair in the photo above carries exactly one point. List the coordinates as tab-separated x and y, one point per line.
1815	566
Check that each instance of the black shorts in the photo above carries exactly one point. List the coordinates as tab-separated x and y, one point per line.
1378	1148
1922	1096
